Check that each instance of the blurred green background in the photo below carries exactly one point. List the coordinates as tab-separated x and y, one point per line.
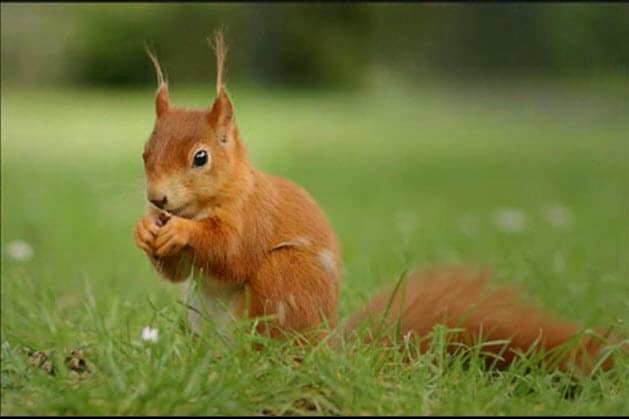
312	44
491	134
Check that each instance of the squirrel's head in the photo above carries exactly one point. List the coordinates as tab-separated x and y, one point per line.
192	156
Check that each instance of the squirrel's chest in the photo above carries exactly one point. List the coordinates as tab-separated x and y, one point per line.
208	300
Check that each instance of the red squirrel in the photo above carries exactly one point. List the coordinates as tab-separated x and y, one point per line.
262	246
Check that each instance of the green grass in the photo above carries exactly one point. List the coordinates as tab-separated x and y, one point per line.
408	177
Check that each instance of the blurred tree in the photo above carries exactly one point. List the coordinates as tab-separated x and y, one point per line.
498	40
291	44
110	42
311	44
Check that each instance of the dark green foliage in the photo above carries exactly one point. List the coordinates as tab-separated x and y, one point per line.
313	44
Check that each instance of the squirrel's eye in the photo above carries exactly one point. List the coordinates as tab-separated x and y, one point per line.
200	158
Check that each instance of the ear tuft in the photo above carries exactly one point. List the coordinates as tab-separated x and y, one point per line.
218	43
162	100
222	113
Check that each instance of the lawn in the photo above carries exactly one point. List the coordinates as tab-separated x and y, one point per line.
531	179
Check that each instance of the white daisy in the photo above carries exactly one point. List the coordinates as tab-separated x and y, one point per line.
558	216
149	334
510	220
19	250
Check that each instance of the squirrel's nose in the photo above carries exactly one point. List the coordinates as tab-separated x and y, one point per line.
160	203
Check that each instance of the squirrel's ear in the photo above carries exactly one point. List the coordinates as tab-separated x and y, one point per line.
162	101
222	112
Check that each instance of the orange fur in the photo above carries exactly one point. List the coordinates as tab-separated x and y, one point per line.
162	101
267	238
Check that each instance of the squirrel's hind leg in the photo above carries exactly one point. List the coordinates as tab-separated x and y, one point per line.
297	288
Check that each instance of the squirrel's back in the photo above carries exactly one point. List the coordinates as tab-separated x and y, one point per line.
298	279
299	217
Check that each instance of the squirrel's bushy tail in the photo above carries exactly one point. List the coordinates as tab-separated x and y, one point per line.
461	300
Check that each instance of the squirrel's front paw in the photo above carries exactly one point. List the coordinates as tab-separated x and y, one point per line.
173	236
145	232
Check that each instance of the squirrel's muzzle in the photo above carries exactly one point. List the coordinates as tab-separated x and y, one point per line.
159	203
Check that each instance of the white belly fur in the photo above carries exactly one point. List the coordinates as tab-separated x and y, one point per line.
209	299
